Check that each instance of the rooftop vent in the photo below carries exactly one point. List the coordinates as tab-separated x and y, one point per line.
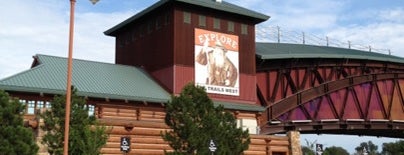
220	1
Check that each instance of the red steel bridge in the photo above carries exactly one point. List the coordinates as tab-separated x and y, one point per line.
328	90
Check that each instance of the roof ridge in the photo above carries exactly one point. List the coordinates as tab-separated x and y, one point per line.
91	61
21	73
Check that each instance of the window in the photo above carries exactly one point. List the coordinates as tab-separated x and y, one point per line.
141	32
149	27
248	124
202	20
230	26
121	41
24	102
216	23
91	110
244	29
48	105
127	39
134	35
31	107
158	25
166	19
187	17
39	104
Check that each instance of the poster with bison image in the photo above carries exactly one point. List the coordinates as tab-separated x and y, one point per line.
217	62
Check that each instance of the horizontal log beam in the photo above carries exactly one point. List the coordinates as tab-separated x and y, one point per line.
255	152
136	131
133	123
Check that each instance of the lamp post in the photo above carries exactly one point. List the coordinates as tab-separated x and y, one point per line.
69	77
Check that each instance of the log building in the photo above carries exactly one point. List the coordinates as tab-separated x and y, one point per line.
158	51
269	87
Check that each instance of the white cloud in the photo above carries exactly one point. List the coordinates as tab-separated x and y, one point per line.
91	43
395	15
26	30
385	32
341	21
43	29
315	15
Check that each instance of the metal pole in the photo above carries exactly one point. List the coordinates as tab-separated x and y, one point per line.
69	79
279	34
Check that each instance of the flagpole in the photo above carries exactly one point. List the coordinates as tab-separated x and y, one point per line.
69	79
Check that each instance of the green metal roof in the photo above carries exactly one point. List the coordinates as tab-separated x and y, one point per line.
92	79
238	106
271	51
95	79
210	4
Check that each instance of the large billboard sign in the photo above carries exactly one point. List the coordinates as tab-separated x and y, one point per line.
217	62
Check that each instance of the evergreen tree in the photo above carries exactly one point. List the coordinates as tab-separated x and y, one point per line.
307	151
393	148
195	121
371	148
334	150
85	135
15	139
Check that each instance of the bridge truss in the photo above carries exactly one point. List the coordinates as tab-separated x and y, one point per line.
335	96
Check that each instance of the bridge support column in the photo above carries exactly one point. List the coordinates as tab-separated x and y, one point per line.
294	140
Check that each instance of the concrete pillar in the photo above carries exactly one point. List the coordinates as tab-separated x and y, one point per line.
294	140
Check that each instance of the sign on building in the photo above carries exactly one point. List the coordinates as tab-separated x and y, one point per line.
125	144
217	62
319	149
212	146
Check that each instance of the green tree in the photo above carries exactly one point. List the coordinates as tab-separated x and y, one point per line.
393	148
195	121
15	139
369	146
309	148
86	136
307	151
334	150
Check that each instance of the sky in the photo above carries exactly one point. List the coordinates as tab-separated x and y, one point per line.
30	27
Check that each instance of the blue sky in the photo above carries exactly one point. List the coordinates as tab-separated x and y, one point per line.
30	27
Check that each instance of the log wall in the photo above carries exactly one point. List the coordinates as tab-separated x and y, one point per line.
145	125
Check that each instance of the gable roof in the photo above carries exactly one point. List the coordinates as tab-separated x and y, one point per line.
210	4
270	51
92	79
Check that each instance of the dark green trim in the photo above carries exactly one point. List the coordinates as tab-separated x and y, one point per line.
272	51
210	4
239	106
